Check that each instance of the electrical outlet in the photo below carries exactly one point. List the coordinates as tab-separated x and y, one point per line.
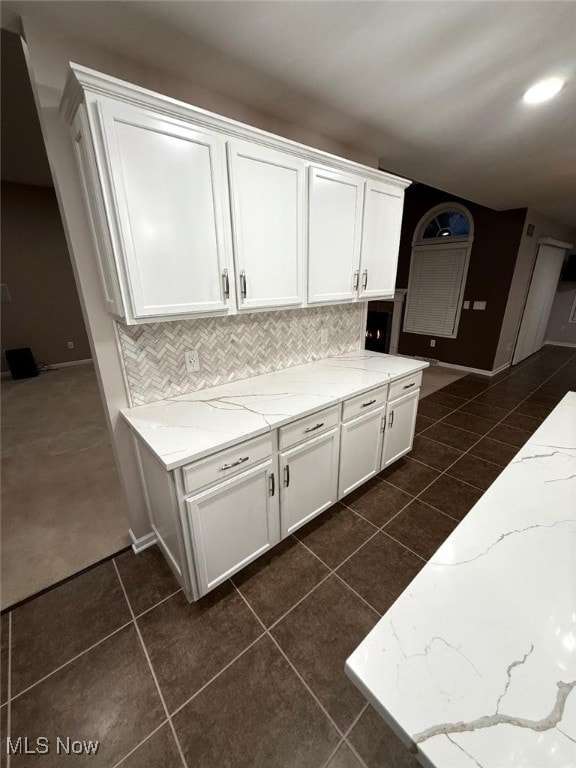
432	342
324	337
192	361
70	345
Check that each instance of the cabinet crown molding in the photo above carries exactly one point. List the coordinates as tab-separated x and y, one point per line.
82	80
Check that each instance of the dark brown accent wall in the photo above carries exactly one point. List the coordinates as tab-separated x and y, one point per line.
44	313
495	248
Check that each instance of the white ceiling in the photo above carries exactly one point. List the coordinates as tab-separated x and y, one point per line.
434	88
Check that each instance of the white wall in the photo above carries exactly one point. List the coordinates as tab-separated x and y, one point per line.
48	55
560	330
544	226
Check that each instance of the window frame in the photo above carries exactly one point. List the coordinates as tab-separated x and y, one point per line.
420	244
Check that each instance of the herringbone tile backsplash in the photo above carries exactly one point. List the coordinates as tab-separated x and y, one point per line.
231	348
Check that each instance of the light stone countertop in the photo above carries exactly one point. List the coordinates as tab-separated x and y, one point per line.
475	663
188	427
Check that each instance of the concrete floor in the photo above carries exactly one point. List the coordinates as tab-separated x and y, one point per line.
62	505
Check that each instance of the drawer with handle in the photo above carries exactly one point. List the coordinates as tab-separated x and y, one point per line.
308	427
364	403
224	464
405	385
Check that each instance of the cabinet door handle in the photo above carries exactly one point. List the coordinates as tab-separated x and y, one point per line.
242	284
370	402
391	419
407	386
311	429
356	278
234	463
364	279
225	284
383	424
272	487
286	475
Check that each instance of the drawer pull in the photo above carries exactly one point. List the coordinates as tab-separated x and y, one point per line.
234	463
225	284
370	402
311	429
407	386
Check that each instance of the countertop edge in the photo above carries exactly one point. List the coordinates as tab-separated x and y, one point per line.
170	465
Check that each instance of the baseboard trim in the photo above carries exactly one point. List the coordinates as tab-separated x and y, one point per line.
481	371
69	364
561	344
142	543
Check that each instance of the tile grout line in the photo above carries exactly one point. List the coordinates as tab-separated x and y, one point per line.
74	658
358	514
86	650
304	683
349	731
396	541
471	485
145	650
467	452
333	572
217	675
143	613
343	740
140	743
445	445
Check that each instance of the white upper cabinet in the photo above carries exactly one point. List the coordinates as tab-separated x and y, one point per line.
195	214
335	228
268	190
383	205
166	185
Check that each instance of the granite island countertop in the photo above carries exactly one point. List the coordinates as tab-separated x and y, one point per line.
475	663
188	427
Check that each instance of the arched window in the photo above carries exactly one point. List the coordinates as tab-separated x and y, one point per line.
440	254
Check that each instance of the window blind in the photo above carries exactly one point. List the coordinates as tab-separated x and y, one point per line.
434	290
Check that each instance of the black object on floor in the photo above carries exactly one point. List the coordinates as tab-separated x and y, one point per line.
21	363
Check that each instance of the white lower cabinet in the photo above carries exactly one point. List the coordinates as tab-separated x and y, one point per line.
215	515
360	450
400	423
232	523
309	480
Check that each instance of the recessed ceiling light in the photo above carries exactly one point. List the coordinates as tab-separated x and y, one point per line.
543	90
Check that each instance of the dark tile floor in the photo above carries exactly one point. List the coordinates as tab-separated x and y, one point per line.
252	676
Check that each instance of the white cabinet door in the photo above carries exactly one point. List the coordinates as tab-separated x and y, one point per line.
166	200
360	450
309	479
232	523
399	430
268	189
380	239
335	225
